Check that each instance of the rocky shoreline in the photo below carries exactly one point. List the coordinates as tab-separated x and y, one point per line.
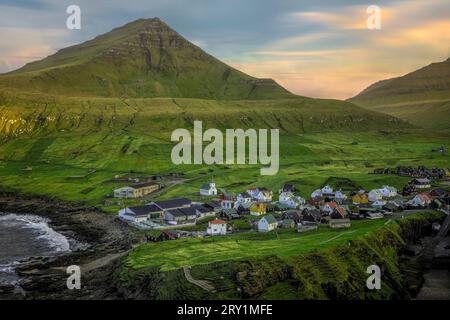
104	239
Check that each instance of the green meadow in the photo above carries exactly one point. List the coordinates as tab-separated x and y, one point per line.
283	243
73	148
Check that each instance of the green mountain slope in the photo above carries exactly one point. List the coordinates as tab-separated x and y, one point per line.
144	58
421	97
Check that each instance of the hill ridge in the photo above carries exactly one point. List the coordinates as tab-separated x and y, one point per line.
144	58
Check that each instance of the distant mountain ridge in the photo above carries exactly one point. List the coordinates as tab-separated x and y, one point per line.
142	59
421	97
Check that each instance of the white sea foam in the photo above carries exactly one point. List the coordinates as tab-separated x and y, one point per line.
55	240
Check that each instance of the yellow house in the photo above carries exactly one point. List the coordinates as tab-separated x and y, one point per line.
137	190
258	209
360	198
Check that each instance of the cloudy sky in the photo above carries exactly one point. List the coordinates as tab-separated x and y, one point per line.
318	48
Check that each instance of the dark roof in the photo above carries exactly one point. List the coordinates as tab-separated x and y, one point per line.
422	180
189	211
144	184
203	208
173	203
176	213
292	214
245	194
438	192
144	210
289	187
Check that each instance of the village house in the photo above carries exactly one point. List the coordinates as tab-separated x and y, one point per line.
294	215
267	223
204	210
316	202
287	223
243	197
170	204
328	207
375	195
340	196
305	226
327	191
278	207
360	198
339	223
438	193
391	207
423	183
208	189
229	214
288	187
140	214
312	216
182	215
137	190
258	209
291	200
388	192
217	228
244	208
316	194
260	194
228	200
378	204
420	200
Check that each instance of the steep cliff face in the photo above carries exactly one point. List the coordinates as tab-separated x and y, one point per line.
338	273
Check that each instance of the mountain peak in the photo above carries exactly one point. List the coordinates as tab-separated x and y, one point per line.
143	58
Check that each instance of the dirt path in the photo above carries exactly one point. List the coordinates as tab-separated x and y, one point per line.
200	283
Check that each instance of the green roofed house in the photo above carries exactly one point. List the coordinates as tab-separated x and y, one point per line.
267	223
288	223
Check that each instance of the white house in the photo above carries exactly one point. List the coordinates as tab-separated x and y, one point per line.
375	195
327	190
388	192
217	228
291	200
267	223
316	193
424	183
244	198
329	207
208	189
340	196
260	194
228	204
378	203
141	213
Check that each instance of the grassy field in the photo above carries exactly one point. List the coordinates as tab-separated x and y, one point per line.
72	148
283	243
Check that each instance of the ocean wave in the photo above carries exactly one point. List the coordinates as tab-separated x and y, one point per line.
55	240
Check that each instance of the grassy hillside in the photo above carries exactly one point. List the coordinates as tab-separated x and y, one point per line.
145	58
73	147
421	97
327	264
